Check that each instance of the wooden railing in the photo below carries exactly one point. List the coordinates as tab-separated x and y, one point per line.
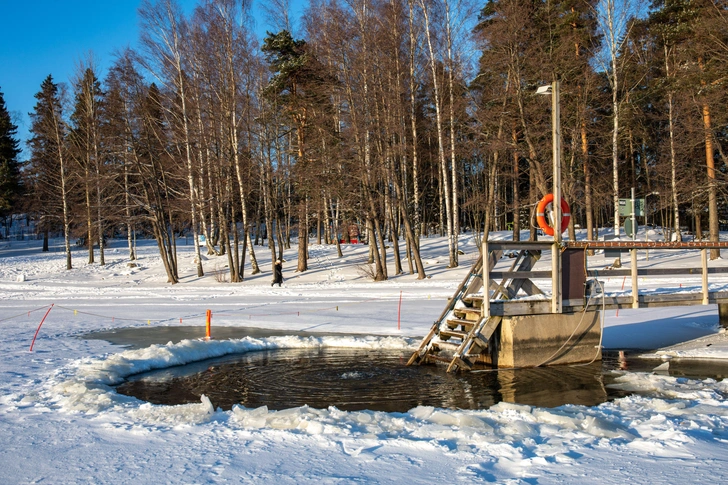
531	306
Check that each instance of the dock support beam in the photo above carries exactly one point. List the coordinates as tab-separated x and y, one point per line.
485	309
704	261
635	279
723	314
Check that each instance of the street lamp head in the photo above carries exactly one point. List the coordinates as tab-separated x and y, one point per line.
544	89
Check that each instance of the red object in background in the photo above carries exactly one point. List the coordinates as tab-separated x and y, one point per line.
353	233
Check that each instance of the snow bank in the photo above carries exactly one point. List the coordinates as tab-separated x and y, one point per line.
676	412
85	385
63	422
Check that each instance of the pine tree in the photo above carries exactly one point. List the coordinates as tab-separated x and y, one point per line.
299	84
10	181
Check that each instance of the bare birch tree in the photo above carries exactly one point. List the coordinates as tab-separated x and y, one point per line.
614	22
163	32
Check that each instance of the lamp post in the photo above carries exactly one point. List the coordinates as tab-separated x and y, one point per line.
553	90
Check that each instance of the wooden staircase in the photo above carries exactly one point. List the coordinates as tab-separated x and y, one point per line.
464	332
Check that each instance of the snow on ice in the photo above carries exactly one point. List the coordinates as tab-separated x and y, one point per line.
63	422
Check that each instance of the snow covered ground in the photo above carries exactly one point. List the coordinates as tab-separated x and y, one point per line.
62	422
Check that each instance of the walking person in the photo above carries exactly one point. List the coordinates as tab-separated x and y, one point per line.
277	273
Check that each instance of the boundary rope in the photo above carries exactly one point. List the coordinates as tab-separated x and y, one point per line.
24	313
224	312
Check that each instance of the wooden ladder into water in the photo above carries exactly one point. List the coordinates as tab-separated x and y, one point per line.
464	332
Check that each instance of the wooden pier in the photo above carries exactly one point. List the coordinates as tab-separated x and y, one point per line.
521	325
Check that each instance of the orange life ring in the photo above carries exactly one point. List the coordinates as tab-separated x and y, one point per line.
540	214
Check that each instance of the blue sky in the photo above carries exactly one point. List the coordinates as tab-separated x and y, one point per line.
41	37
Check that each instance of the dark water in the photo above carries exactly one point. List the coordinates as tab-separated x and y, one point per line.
376	380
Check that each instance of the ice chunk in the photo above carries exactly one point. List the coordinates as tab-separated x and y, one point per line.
422	412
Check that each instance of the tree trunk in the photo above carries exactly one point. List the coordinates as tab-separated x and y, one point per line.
302	237
372	236
99	205
673	167
446	194
453	160
127	209
395	240
588	202
64	190
413	121
515	189
255	269
490	194
713	223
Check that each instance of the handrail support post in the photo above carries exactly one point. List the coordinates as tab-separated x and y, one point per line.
704	261
635	279
485	309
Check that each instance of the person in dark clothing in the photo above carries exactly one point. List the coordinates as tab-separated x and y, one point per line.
277	273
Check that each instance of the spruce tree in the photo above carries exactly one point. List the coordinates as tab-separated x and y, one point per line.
10	181
84	147
48	164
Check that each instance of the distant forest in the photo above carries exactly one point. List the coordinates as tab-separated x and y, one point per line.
399	118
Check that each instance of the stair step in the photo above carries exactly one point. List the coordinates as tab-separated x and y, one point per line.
468	313
459	322
452	347
446	334
438	358
474	300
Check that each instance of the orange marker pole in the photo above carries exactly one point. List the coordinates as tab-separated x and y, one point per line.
207	325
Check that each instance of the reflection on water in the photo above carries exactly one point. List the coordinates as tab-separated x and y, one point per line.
375	380
356	380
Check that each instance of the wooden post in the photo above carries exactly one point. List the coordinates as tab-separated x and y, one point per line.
704	260
635	279
556	278
485	308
